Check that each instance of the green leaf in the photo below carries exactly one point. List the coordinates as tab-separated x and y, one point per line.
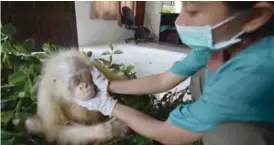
116	66
17	78
5	47
111	46
34	90
4	58
32	59
115	71
118	52
14	51
10	98
47	48
199	142
55	47
142	140
8	29
105	62
23	115
21	94
18	67
4	38
41	56
27	71
106	53
18	107
123	66
29	44
7	137
6	116
28	88
6	61
89	54
129	68
36	68
20	49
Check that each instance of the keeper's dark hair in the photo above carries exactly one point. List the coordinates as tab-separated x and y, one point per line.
267	29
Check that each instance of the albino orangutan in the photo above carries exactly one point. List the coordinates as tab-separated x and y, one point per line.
66	76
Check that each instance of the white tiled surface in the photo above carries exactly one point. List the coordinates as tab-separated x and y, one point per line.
149	58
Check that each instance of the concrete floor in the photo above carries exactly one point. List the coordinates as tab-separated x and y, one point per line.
148	58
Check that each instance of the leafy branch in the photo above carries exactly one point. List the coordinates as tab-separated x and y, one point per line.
20	69
114	67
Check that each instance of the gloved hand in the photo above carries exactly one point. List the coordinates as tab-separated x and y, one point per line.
99	79
103	102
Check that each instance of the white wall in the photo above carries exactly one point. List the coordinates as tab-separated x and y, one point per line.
94	32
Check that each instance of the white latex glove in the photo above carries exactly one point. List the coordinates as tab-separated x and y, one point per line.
102	102
99	79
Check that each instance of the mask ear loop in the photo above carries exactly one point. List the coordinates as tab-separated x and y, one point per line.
237	35
225	21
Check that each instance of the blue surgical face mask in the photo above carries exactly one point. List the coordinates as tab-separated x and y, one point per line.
200	37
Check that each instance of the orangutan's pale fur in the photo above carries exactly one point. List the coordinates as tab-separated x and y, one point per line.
60	120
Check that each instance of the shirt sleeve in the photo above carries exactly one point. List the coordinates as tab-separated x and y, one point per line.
228	96
190	64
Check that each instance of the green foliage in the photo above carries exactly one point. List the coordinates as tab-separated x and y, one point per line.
7	31
114	67
20	69
89	54
50	48
11	138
